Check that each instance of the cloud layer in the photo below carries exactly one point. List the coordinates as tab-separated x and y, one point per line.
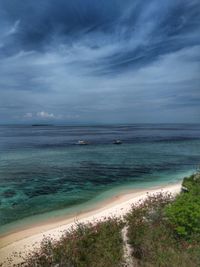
100	61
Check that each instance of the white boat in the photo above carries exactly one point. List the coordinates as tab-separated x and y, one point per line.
117	142
82	142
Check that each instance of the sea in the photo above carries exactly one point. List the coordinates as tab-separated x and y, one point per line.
45	174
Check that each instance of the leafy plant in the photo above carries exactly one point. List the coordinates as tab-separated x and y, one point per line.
184	214
85	245
164	231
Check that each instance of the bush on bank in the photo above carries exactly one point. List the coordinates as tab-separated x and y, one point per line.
86	245
164	231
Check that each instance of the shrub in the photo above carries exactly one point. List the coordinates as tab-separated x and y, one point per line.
184	212
184	215
153	236
98	245
192	183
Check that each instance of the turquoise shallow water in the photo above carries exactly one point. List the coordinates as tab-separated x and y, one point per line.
44	174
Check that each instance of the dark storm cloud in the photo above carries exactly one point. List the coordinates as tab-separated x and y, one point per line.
41	22
59	59
162	24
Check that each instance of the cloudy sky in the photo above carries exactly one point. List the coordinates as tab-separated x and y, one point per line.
99	61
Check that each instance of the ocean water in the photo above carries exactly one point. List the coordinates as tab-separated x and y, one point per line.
43	172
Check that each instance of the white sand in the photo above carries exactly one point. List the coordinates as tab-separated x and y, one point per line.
26	240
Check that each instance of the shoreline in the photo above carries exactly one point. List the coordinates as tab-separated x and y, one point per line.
26	240
59	215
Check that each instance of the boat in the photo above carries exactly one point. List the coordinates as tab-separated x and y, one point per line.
82	142
117	142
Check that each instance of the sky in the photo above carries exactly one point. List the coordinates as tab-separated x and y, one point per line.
100	61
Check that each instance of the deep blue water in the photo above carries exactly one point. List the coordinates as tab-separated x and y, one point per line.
42	169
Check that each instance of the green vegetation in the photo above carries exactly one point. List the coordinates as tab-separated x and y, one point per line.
184	214
97	245
192	183
163	232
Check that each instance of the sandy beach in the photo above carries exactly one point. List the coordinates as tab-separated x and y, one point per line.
26	240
